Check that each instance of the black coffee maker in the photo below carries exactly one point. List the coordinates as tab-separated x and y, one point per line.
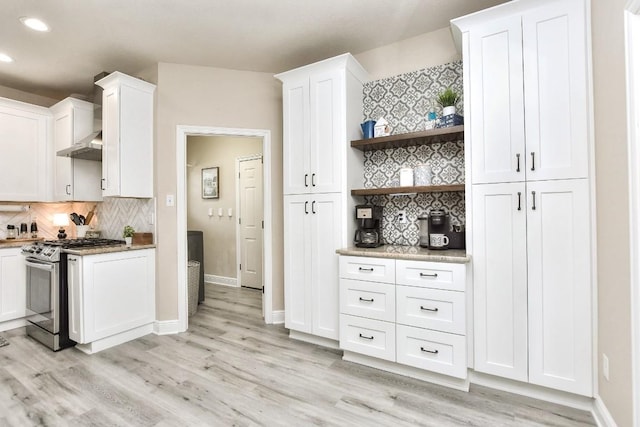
434	230
369	232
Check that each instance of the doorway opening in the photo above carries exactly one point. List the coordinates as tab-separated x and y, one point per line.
182	194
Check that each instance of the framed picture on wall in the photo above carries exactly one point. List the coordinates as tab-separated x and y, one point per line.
210	183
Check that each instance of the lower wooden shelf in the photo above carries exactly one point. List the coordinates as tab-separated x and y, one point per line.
407	190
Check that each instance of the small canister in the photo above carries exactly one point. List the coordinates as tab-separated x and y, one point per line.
11	231
406	177
422	175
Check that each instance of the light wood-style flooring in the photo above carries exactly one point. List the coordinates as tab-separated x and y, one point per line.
230	369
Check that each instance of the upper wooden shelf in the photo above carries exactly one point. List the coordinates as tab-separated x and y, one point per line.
406	190
453	133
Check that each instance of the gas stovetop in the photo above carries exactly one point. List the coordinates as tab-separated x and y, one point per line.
49	250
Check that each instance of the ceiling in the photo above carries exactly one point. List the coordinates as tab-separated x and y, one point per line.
91	36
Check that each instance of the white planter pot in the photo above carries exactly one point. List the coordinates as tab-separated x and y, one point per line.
127	241
446	111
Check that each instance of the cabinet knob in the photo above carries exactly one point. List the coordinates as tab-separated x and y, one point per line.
428	274
365	337
533	161
533	196
518	162
306	176
364	269
366	299
426	350
435	309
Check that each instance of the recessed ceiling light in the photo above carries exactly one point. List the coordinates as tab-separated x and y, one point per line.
5	58
34	24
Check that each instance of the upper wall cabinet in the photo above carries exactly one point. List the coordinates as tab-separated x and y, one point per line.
528	93
127	136
25	162
316	113
75	179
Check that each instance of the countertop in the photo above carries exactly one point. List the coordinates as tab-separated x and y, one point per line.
416	253
13	243
106	249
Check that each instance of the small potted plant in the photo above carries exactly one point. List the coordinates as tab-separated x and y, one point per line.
448	100
128	234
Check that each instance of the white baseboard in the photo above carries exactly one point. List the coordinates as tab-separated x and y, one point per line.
407	371
601	414
114	340
532	390
277	317
221	280
313	339
12	324
166	327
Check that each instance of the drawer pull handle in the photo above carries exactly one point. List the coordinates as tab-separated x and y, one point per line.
365	269
426	350
365	337
366	300
429	309
428	275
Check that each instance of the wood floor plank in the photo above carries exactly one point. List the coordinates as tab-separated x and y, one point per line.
229	369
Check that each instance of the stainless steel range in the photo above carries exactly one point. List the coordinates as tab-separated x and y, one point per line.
47	296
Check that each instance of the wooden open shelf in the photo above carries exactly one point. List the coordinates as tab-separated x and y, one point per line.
453	133
406	190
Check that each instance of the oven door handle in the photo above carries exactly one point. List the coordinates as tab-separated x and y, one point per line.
40	266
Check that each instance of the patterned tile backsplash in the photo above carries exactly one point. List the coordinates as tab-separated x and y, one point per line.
404	102
111	216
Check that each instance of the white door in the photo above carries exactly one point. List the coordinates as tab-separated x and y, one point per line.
250	222
496	99
63	138
559	259
297	263
295	150
111	142
327	137
556	91
500	279
326	235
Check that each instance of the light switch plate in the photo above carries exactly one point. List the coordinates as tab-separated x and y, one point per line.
171	201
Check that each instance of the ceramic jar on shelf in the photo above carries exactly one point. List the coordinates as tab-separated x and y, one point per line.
422	175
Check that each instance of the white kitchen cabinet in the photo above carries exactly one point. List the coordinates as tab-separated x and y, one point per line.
405	311
111	297
532	286
311	264
25	164
12	284
322	109
527	91
526	84
75	179
127	136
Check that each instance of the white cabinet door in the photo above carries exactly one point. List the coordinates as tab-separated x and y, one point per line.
296	136
297	263
496	102
326	232
116	293
127	136
25	144
560	342
500	279
75	179
328	135
556	91
12	284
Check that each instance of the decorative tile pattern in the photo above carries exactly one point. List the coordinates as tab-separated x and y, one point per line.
110	217
404	102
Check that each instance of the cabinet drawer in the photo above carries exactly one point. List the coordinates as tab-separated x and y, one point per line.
369	269
436	275
431	350
369	337
431	309
368	299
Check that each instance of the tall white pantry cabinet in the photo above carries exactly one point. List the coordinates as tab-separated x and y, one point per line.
527	92
322	111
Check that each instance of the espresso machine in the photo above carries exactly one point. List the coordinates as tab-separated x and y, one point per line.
369	232
434	230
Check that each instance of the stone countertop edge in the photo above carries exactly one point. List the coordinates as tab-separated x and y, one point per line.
107	249
414	253
17	243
